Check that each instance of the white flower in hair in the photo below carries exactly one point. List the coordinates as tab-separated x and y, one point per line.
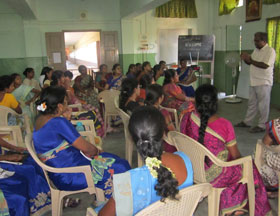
42	107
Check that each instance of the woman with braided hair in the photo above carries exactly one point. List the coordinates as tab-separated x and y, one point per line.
129	92
217	135
163	174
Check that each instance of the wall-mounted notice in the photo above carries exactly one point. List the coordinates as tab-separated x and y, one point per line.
56	57
193	47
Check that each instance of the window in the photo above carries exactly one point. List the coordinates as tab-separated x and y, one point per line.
273	33
240	3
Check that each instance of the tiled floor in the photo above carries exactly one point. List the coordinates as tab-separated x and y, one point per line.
114	143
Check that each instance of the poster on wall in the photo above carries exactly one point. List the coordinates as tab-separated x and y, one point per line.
253	10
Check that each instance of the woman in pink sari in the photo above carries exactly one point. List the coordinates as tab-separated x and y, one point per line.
174	96
217	135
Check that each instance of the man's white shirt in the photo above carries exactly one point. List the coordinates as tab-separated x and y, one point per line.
260	76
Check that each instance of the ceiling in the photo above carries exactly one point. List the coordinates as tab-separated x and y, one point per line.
72	38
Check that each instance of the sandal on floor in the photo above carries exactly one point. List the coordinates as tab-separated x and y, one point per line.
256	129
238	212
72	203
272	195
241	124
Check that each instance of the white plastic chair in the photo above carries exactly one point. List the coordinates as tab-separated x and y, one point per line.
56	194
259	160
186	205
78	106
4	113
174	112
89	132
128	140
11	134
197	153
107	98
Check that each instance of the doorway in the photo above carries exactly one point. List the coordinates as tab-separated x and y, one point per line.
69	49
82	48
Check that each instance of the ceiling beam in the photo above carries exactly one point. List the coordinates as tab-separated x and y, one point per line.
24	8
133	8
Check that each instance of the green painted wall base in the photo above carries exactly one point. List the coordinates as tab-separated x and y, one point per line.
17	65
275	94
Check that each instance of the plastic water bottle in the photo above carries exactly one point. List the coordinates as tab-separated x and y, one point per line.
80	127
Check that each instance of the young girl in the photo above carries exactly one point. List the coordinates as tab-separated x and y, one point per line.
162	176
60	145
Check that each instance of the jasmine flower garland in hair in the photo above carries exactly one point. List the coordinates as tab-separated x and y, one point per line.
152	163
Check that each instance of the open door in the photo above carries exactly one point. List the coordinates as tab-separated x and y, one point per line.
56	50
109	48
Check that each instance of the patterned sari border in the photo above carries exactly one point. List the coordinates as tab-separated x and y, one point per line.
231	143
235	208
208	129
52	153
43	211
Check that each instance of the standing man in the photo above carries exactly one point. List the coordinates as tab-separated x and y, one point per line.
261	80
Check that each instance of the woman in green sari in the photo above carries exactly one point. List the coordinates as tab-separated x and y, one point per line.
24	94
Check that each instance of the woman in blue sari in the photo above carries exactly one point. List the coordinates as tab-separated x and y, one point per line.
162	176
23	188
115	81
59	144
186	78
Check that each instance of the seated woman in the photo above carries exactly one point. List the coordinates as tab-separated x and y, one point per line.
72	99
48	76
173	95
129	92
131	73
25	95
145	81
158	74
146	69
84	88
59	144
115	81
23	188
163	174
154	97
217	135
6	98
29	79
89	112
101	77
186	77
271	159
43	75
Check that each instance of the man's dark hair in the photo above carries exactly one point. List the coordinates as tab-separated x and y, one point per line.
261	35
